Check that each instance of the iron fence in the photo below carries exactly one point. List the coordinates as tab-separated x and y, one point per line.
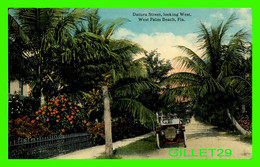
46	147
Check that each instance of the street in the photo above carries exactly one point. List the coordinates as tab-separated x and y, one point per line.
201	136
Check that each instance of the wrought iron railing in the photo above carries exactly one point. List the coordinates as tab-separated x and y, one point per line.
46	147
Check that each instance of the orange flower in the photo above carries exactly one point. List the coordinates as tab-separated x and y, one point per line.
62	109
70	107
37	112
85	121
67	116
63	130
50	109
57	120
65	99
45	107
43	113
48	113
75	107
57	104
47	119
72	117
71	122
69	103
32	121
37	118
62	98
69	119
42	109
63	105
73	113
88	124
77	110
58	116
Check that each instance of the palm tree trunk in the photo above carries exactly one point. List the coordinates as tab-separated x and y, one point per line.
107	119
236	124
42	99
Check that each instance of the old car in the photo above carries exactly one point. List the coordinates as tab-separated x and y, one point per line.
170	129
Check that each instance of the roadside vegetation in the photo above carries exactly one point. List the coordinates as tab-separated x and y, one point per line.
142	146
67	56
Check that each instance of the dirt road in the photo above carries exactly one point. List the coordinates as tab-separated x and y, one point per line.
200	136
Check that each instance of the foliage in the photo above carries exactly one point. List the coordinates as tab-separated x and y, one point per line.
93	104
19	107
157	68
211	83
24	127
61	115
121	128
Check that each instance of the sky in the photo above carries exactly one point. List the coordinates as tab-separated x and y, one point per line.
164	36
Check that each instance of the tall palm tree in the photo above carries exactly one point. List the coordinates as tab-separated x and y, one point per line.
204	84
120	68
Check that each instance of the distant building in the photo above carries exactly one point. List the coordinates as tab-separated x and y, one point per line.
17	86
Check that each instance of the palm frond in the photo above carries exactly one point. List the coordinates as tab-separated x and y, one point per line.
137	109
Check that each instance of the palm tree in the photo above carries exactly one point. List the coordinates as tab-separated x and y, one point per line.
204	84
119	68
44	36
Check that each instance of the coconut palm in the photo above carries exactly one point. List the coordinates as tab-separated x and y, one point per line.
43	36
127	78
204	82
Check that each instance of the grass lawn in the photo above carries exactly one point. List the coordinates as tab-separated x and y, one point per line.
139	147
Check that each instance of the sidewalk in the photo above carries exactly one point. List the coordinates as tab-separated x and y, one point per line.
93	152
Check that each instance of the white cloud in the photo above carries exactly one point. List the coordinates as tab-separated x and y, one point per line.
244	16
217	15
165	43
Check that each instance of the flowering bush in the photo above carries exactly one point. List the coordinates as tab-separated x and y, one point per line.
97	132
62	116
26	128
245	123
